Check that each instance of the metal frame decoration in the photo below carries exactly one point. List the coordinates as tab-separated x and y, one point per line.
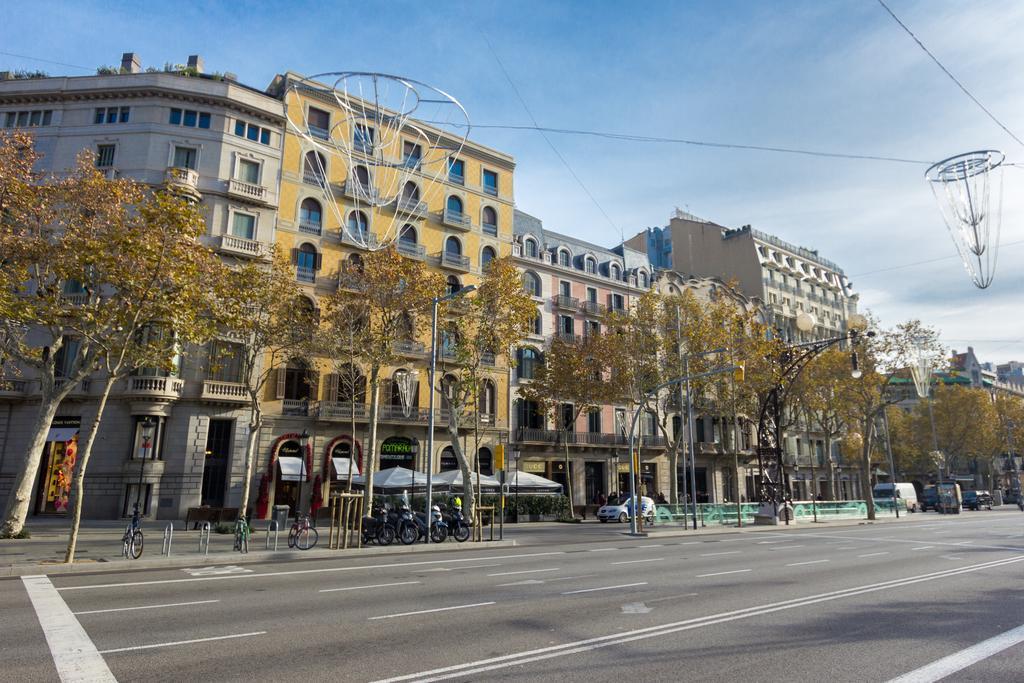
772	490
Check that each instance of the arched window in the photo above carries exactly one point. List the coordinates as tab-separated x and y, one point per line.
486	256
531	283
564	259
453	246
355	262
407	236
396	391
529	360
362	175
590	265
486	461
530	248
410	192
616	272
487	399
449	383
643	279
489	221
452	285
448	460
307	261
314	168
358	223
538	324
454	205
310	216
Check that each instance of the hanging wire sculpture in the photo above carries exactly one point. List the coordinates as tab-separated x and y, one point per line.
406	380
921	368
392	163
969	191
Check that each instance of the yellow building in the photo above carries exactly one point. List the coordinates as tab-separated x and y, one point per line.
454	220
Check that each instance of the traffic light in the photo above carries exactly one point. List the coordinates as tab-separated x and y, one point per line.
738	373
499	457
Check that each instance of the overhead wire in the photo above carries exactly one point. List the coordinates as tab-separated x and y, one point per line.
47	61
948	73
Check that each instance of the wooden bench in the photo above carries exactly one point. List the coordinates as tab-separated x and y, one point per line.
209	514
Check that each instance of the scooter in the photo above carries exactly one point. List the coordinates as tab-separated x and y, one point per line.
405	525
438	527
457	527
377	529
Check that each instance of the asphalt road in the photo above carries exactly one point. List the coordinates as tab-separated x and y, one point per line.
584	603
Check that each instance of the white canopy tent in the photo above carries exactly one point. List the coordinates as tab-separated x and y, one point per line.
453	479
525	482
292	468
394	480
341	466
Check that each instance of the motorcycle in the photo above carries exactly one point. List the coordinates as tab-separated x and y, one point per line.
438	527
377	529
405	525
457	527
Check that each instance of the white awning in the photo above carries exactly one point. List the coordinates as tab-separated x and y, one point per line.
292	469
62	434
341	467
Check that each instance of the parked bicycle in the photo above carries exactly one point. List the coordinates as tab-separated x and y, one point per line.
242	534
303	535
132	541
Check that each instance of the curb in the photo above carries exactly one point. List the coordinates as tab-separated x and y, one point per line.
754	528
233	558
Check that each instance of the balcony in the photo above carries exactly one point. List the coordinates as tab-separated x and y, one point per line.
454	261
489	229
456	178
313	178
362	240
342	410
298	406
565	302
154	388
410	348
411	249
250	192
13	388
363	146
224	392
358	191
593	308
183	181
350	279
491	190
488	358
456	219
318	132
75	298
241	246
82	388
410	207
305	274
568	337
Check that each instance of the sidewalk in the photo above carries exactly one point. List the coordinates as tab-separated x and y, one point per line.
99	549
670	530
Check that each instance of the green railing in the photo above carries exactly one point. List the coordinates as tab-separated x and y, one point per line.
713	514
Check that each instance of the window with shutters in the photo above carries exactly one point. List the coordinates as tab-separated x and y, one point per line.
411	154
105	156
300	382
594	421
319	122
248	171
224	361
243	225
307	262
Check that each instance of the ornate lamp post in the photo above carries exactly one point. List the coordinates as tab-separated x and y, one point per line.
921	371
148	427
792	361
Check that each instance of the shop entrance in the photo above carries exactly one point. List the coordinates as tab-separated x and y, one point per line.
54	484
594	476
700	477
215	466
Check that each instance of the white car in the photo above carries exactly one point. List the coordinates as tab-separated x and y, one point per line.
622	510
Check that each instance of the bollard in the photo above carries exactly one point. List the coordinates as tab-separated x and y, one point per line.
165	547
204	532
272	526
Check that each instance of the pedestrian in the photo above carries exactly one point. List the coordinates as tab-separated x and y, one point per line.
661	499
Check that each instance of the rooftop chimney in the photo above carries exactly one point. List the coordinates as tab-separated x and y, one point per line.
230	76
195	62
130	63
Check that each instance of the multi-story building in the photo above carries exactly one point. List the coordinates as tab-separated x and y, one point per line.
787	278
455	224
574	284
216	142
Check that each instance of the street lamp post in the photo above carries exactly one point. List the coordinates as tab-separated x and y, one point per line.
921	372
515	458
689	429
430	400
303	444
148	426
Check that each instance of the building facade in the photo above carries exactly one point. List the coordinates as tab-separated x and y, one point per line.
455	224
218	143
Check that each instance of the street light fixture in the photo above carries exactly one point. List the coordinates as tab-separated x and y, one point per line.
148	427
921	372
430	400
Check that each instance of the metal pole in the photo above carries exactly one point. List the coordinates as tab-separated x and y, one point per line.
146	445
689	429
632	475
935	438
682	389
892	463
429	460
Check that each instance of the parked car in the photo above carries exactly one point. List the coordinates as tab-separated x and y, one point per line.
906	494
975	500
622	510
950	498
929	499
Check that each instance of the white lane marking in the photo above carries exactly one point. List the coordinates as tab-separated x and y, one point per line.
479	566
129	609
786	547
847	547
650	559
294	572
528	571
74	654
601	550
528	656
734	571
605	588
769	542
644	547
690	542
567	578
873	554
372	585
672	597
635	608
728	552
533	582
941	668
800	564
951	557
181	642
428	611
923	547
216	570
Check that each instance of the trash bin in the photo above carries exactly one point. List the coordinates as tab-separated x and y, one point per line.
997	497
280	515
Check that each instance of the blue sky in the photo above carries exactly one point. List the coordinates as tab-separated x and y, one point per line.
832	76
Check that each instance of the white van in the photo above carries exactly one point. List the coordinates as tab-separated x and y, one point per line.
905	492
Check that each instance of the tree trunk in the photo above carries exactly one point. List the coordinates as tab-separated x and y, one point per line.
255	423
469	492
865	466
673	473
20	496
831	466
371	452
568	476
78	488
